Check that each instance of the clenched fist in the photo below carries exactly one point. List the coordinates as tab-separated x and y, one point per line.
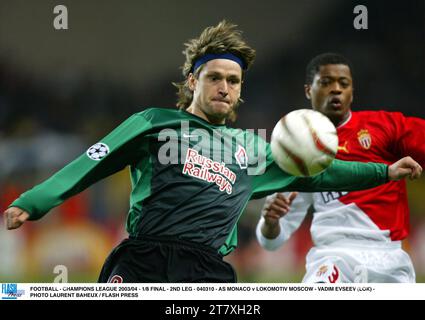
14	217
403	168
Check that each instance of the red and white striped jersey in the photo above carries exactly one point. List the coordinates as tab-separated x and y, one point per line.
377	214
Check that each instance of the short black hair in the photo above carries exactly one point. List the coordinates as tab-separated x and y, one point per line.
324	59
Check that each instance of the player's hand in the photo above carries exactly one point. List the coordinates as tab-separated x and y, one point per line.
405	167
276	206
14	217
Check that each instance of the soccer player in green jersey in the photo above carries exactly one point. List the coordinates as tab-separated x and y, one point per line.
191	175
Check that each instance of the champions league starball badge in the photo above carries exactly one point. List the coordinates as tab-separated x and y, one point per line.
97	151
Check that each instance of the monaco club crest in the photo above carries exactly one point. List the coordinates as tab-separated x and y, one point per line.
364	138
241	157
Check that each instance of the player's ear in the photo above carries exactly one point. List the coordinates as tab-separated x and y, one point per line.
191	82
307	91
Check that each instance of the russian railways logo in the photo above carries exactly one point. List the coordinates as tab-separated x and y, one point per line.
241	157
206	169
116	279
364	138
98	151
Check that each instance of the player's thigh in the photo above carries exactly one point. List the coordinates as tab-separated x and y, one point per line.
330	267
392	266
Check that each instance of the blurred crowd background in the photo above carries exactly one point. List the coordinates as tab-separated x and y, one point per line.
62	90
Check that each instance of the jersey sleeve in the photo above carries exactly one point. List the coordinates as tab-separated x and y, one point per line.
85	171
289	223
339	176
409	136
344	176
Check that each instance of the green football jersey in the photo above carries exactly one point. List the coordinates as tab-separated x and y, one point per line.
191	180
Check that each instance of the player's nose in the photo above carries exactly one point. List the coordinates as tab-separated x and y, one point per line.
223	88
336	88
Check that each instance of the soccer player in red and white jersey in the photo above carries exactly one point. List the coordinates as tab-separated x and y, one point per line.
357	235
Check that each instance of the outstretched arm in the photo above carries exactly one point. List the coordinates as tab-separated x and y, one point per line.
340	176
122	147
350	176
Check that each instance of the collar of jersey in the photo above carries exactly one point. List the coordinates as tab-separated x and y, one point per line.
346	121
203	120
